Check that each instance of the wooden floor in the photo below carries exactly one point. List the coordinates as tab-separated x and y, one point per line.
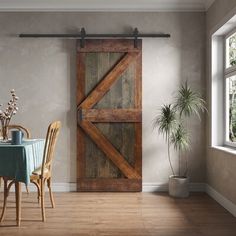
121	214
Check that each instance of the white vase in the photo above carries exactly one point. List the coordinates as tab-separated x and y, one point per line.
178	186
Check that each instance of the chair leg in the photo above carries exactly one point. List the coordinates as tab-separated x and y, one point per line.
42	199
39	192
6	194
18	202
27	189
50	192
37	184
5	200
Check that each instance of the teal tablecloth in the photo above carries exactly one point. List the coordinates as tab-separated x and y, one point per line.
18	161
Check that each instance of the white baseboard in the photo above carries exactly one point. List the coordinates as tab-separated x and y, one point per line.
147	187
64	187
197	187
157	187
154	187
227	204
56	187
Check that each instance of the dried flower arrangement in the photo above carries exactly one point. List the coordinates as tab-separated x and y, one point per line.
5	116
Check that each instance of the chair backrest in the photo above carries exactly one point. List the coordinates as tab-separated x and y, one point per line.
50	143
21	128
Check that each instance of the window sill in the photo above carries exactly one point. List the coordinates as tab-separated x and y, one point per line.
226	149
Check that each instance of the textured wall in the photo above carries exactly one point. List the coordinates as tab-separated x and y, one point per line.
43	72
218	12
221	166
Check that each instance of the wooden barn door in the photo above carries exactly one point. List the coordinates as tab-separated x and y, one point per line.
109	133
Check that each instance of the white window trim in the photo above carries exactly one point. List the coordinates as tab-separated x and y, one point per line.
228	72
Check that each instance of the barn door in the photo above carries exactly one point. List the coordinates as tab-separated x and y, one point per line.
109	142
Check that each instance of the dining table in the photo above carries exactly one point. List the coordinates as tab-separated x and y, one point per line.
17	162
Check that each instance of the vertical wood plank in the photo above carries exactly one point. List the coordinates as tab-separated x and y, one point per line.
128	102
91	152
80	132
115	129
138	104
103	68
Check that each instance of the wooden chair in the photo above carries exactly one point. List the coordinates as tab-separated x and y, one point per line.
44	172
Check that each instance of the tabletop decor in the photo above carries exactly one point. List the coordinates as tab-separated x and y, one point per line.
6	116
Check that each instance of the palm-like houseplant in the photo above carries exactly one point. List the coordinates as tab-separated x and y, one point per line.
171	122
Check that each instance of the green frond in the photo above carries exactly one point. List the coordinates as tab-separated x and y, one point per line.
189	102
180	139
166	121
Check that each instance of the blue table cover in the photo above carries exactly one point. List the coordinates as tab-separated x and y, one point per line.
18	161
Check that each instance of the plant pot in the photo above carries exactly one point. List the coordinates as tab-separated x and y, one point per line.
178	186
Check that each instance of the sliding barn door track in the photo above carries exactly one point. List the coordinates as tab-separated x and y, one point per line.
83	35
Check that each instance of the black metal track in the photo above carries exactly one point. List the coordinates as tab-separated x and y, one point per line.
82	36
79	36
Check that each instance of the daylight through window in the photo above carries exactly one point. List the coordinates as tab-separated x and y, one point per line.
230	91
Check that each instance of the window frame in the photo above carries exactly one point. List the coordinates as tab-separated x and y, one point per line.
228	72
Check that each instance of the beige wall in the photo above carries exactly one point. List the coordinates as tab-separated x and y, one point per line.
221	166
43	72
218	12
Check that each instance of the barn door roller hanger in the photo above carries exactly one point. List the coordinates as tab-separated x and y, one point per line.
82	36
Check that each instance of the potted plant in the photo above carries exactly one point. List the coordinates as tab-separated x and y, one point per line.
171	122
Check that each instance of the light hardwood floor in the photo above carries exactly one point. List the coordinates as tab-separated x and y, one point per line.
120	214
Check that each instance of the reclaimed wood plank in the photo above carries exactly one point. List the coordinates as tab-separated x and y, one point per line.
111	185
79	99
103	69
114	135
127	129
138	105
92	154
112	115
109	45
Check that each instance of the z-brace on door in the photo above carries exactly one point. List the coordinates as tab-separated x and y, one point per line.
109	103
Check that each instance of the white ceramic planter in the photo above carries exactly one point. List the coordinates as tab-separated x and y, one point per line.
178	186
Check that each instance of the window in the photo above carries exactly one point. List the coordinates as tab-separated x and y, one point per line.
222	74
230	89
